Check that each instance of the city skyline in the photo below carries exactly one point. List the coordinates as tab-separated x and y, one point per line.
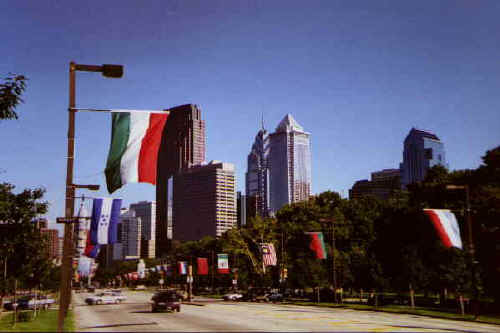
358	76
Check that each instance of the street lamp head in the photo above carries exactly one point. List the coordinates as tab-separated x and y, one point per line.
112	71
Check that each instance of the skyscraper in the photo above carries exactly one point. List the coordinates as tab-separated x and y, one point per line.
422	150
204	201
182	146
131	234
146	211
257	175
289	163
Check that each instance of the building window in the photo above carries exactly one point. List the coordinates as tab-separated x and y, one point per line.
428	153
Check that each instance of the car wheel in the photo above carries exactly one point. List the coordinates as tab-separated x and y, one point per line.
153	309
178	309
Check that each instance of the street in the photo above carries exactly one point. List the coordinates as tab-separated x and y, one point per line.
214	315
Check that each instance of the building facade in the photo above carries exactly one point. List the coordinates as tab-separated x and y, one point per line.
204	201
289	163
257	175
422	150
182	146
130	235
241	201
52	236
382	185
146	211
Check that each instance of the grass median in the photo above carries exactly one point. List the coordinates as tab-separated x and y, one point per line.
489	319
45	321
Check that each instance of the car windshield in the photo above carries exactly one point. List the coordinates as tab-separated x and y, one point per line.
165	297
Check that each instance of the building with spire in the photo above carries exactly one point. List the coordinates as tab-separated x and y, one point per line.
279	167
422	150
257	175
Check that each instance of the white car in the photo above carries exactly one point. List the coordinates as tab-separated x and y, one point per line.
105	298
232	297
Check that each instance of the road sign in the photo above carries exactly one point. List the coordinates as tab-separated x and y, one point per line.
65	220
161	281
235	282
189	279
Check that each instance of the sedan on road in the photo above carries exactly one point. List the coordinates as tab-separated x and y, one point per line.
232	297
105	298
165	300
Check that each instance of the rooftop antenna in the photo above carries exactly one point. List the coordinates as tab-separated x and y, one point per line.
263	121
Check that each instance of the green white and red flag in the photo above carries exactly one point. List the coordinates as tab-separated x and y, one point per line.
135	142
222	263
317	244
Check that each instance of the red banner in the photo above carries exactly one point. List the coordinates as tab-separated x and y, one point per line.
202	266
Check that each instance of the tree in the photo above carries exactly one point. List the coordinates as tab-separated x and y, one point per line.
21	239
10	95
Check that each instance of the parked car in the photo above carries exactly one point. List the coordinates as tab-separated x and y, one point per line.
275	297
232	297
105	298
165	300
32	301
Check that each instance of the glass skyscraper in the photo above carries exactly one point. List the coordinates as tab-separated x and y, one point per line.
257	176
422	150
279	167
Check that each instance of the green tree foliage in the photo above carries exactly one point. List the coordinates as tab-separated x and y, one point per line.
10	95
24	248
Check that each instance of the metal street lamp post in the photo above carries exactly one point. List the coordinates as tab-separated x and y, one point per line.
112	71
470	241
334	271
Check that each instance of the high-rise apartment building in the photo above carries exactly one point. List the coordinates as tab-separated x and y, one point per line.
257	175
182	146
289	164
204	201
422	150
146	211
131	235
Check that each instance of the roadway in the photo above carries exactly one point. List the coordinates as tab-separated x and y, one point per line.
134	315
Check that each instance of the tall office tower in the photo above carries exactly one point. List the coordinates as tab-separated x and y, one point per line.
289	164
146	211
204	201
182	146
241	201
422	150
257	175
131	235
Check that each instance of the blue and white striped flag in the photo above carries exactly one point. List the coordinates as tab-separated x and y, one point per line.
104	222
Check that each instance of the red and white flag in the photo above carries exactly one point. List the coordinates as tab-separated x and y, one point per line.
446	226
268	254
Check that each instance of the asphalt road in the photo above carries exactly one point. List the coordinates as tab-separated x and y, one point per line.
135	315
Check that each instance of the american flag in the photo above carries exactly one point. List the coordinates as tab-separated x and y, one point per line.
268	254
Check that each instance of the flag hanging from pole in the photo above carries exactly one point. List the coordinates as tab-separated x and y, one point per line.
104	221
268	254
202	266
446	225
317	244
133	153
222	263
183	267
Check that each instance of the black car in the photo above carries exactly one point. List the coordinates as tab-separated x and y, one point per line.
166	301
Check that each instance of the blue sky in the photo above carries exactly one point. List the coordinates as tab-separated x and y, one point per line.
357	75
